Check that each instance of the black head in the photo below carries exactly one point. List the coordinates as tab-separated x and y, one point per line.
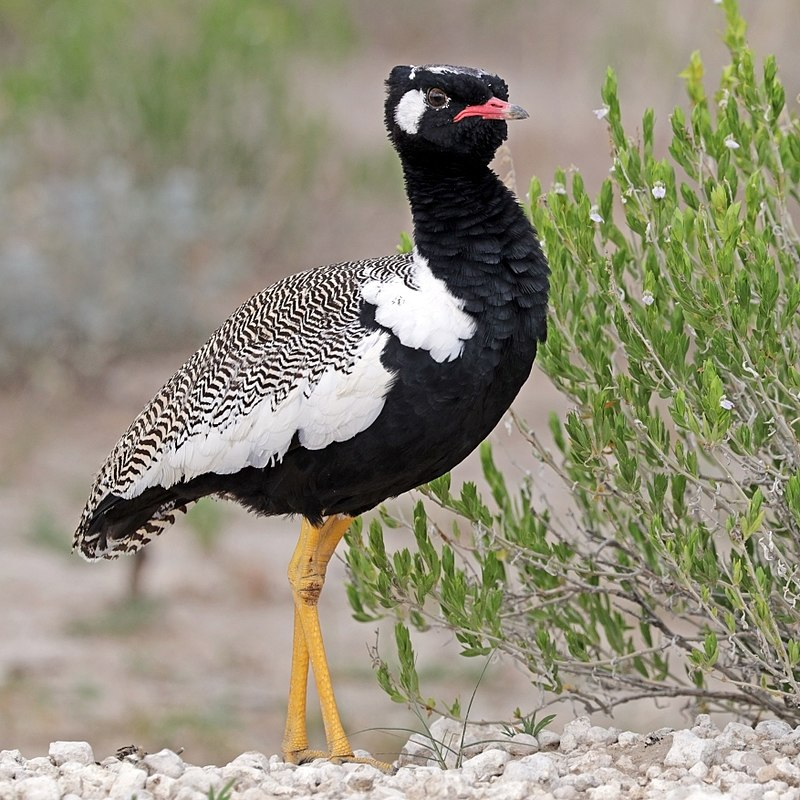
448	112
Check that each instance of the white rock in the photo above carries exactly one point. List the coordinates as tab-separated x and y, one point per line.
652	771
629	738
485	765
745	761
361	777
478	738
384	793
687	749
565	792
597	735
267	785
95	782
582	781
243	775
189	793
41	765
9	771
69	779
39	787
522	744
443	742
199	779
408	777
129	781
254	759
704	793
540	768
575	734
773	728
518	771
609	791
61	752
308	777
735	734
590	761
704	727
627	764
506	790
787	770
746	791
164	762
548	739
161	786
699	771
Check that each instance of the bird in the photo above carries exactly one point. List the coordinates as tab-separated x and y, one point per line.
341	386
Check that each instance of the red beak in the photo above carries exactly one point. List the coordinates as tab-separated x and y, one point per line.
493	109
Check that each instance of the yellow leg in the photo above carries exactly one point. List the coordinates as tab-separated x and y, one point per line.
295	739
307	570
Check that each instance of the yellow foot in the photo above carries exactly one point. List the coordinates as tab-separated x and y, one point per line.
303	756
306	756
389	769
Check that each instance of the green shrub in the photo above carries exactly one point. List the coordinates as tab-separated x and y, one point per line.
675	334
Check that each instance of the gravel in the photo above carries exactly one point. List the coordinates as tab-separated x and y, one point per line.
585	761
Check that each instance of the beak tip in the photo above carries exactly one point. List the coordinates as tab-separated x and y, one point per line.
517	112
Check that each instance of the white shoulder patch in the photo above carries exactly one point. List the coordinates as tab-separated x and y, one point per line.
340	404
424	316
409	111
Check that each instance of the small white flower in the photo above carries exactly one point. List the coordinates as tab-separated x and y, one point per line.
725	403
601	113
659	190
731	143
647	297
559	188
594	215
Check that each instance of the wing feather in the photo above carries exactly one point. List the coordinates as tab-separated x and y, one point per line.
292	360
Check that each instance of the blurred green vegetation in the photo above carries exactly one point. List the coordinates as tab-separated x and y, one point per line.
164	83
150	155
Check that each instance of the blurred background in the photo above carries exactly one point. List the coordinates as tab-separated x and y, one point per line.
159	162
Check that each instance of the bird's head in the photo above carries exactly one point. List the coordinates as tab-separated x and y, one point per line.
446	112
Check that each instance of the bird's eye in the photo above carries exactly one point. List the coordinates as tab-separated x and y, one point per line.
436	98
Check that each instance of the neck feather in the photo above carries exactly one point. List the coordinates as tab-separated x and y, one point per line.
476	238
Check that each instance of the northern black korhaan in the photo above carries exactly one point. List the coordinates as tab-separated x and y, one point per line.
336	388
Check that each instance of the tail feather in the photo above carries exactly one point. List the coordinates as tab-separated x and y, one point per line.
117	526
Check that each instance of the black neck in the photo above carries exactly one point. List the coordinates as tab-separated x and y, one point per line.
475	236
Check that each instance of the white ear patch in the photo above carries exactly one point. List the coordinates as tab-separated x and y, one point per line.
409	111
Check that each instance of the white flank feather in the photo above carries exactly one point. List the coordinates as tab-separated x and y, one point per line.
338	406
342	405
424	316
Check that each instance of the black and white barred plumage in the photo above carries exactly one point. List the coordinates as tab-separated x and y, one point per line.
340	386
